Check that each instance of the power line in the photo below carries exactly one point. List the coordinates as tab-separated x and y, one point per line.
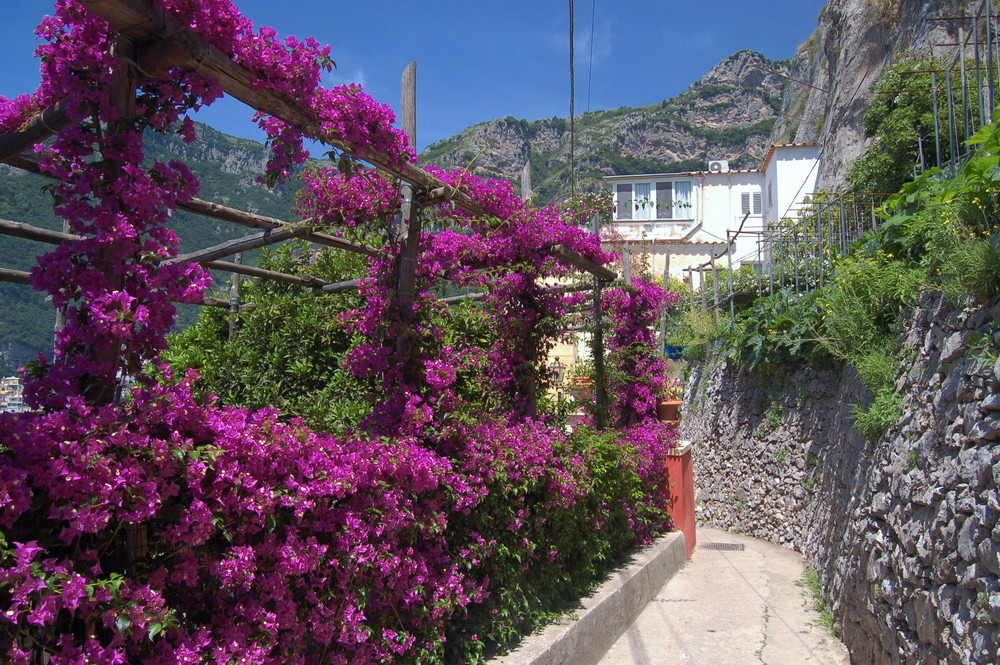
590	66
572	104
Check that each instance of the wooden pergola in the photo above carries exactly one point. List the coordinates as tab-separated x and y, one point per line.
157	43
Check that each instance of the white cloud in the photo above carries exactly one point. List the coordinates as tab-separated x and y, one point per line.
337	77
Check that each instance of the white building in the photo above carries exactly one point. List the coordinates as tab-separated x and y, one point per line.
686	219
11	395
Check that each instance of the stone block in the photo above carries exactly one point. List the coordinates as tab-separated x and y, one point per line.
925	619
986	430
953	347
967	537
989	555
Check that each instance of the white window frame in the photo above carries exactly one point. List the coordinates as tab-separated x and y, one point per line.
751	203
645	206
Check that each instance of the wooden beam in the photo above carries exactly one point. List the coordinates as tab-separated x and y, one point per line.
577	260
255	221
141	20
209	301
340	287
27	161
231	247
262	273
35	130
21	277
564	288
15	276
29	232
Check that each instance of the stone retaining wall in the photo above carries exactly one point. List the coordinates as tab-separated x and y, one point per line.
903	531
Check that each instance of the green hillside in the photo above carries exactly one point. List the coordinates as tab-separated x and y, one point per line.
227	168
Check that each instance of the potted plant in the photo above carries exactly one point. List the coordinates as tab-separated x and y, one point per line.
668	409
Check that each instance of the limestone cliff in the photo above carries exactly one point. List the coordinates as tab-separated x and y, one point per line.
727	114
836	67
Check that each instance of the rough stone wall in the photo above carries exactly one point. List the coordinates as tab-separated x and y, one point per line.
903	531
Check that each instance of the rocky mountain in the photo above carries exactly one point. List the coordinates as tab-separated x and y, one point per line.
734	112
729	113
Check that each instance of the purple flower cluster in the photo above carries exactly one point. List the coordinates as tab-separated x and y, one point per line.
638	377
156	528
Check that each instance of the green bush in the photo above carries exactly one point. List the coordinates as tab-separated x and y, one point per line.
863	303
287	350
778	329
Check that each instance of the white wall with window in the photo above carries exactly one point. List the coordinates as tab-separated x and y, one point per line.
649	200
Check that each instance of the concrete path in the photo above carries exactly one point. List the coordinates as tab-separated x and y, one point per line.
730	605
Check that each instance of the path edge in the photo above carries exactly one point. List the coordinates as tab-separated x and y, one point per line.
607	613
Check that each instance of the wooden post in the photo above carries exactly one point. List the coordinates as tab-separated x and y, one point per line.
600	377
715	289
526	192
409	228
103	390
234	296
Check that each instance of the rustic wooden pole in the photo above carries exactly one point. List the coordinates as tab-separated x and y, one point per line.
715	289
526	192
600	376
234	296
409	230
238	245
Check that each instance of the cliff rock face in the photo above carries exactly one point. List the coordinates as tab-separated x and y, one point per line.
727	114
904	531
841	61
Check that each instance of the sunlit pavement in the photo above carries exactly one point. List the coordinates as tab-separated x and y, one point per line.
736	602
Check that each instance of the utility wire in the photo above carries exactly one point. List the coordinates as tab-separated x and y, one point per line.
572	105
590	66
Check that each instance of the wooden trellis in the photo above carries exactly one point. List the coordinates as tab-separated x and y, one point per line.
160	43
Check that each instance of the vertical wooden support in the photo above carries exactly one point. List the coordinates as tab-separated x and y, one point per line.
715	289
234	295
732	287
600	376
103	390
966	117
988	18
937	120
409	231
952	127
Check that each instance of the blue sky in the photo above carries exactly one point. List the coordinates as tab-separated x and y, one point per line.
483	60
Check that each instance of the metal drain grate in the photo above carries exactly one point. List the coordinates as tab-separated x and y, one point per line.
724	547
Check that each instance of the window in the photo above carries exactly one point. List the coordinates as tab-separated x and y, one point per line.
750	203
623	201
664	200
673	200
643	201
648	200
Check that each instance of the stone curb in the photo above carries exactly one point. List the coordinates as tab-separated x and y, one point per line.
607	613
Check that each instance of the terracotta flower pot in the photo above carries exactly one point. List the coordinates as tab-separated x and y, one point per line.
668	410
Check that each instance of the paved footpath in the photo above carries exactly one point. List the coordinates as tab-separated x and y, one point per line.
730	606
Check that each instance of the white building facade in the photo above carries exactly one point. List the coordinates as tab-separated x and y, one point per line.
679	220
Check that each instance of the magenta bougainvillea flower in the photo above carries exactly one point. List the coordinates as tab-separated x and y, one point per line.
158	528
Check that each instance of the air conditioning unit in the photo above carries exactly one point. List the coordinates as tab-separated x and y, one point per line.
718	166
